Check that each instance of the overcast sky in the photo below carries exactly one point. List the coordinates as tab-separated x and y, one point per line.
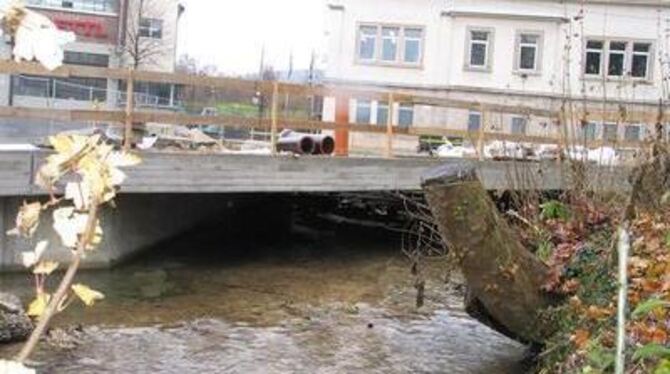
231	34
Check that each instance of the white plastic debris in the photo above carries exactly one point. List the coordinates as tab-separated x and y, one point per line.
13	367
547	151
37	38
504	149
577	153
605	156
449	150
147	142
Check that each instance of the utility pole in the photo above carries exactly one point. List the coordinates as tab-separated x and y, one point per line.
310	83
289	75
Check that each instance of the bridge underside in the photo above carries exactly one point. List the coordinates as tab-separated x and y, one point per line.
169	194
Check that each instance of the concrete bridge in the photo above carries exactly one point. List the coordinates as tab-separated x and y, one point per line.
170	193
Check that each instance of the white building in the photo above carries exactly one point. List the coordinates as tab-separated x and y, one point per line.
535	53
110	33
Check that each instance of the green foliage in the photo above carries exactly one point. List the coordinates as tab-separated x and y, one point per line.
544	250
663	367
667	239
595	278
649	306
651	351
554	210
600	358
238	109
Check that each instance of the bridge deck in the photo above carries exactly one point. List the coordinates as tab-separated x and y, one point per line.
199	173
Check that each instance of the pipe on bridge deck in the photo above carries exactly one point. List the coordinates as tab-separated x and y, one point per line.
305	144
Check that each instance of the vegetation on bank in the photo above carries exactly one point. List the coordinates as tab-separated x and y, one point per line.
577	239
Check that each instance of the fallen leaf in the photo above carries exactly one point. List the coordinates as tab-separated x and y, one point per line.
580	338
86	294
597	313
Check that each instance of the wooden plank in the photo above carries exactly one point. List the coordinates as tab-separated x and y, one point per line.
12	67
273	127
63	115
119	116
389	126
130	101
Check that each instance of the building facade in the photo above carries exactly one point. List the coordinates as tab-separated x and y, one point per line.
110	33
596	55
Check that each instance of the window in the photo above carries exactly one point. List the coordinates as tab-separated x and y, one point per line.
363	111
405	115
589	131
74	88
594	57
108	6
151	94
623	58
86	59
397	44
390	44
151	28
382	114
641	59
632	133
413	40
478	49
367	42
29	85
80	89
528	52
519	125
616	59
610	132
474	121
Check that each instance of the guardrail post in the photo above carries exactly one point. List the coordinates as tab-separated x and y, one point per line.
341	125
273	129
389	128
128	134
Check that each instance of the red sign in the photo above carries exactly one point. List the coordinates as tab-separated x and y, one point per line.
86	28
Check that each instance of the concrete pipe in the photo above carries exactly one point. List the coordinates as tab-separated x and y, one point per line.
297	143
323	144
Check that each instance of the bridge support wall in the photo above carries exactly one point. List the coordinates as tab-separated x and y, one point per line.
140	221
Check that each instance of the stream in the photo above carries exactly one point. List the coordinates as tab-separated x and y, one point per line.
331	305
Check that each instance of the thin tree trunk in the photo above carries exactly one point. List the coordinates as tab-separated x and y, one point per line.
63	287
503	278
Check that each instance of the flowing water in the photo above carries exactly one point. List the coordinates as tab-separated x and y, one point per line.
304	307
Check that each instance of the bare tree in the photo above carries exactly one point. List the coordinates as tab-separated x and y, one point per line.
188	65
145	35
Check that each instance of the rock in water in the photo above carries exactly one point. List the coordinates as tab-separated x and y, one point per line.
15	325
